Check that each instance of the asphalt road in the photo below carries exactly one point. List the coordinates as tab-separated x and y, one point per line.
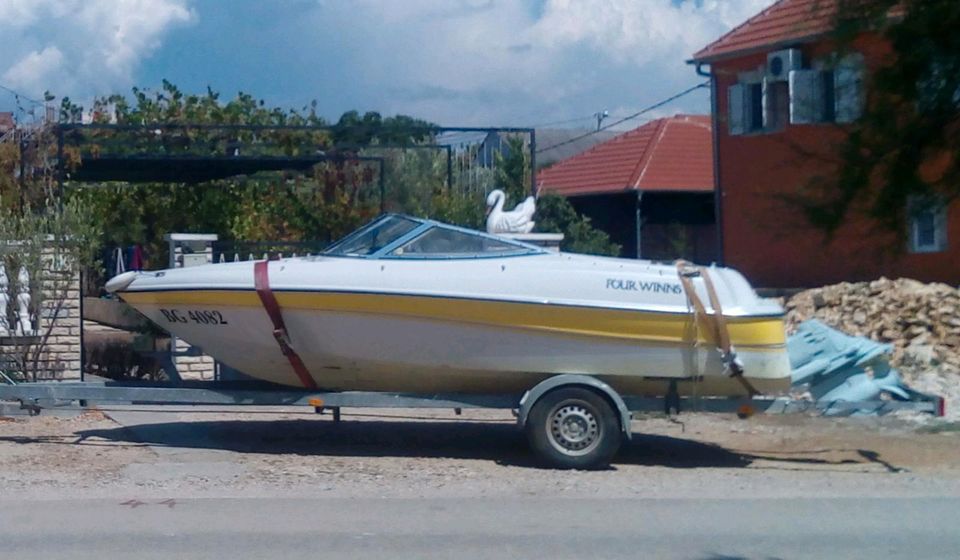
533	527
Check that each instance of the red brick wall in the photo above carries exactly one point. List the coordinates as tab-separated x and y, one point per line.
767	238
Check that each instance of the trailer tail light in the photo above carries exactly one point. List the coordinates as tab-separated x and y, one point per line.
745	411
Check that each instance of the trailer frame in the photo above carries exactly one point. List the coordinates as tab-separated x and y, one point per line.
570	421
36	396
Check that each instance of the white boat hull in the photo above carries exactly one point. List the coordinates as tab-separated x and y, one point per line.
378	352
408	312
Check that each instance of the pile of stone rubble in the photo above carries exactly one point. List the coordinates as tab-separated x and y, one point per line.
921	321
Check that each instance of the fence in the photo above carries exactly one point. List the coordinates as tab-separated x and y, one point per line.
236	251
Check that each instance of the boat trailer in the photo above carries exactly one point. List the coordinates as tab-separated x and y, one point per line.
34	397
571	421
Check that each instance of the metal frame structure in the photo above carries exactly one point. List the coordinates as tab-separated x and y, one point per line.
62	129
36	396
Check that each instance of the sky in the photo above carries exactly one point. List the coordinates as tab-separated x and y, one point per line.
453	62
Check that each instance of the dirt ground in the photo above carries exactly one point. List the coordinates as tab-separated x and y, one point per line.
162	451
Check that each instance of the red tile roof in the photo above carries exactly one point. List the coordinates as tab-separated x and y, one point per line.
783	22
669	154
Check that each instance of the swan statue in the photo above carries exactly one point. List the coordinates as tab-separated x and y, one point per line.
518	220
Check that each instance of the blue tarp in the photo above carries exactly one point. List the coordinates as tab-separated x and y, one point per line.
839	367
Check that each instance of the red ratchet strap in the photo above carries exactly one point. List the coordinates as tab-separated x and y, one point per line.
261	280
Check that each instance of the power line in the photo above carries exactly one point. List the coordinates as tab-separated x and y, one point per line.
20	95
567	121
656	105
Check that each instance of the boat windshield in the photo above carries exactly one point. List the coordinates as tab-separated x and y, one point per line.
374	237
441	242
400	237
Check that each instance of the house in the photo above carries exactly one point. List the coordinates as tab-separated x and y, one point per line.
6	122
650	189
784	97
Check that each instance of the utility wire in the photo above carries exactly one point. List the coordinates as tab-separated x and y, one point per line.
656	105
20	95
567	121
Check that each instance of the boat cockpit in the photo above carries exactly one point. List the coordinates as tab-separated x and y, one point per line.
395	236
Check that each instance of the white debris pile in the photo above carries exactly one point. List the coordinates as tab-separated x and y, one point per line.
921	321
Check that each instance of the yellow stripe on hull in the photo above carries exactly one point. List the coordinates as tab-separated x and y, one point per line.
756	333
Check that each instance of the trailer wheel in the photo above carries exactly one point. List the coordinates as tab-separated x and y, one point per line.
574	428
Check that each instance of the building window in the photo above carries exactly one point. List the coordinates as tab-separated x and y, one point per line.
758	106
831	94
764	101
776	101
927	219
932	93
755	103
828	91
847	78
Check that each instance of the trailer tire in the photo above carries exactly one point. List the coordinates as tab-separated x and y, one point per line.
574	428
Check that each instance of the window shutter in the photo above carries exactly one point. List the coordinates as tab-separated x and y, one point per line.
848	88
767	102
736	109
806	96
941	227
928	224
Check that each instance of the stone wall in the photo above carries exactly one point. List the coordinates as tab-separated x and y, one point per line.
200	367
61	355
58	332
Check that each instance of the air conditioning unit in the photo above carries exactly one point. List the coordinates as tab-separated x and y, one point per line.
780	63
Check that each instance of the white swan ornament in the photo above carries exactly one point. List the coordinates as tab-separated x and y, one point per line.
518	220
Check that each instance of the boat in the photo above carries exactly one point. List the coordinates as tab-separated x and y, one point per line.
414	305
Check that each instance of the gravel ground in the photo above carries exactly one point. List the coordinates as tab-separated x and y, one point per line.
161	451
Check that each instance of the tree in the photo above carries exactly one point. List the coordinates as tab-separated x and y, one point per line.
42	251
556	214
355	131
417	185
332	198
513	170
44	245
907	143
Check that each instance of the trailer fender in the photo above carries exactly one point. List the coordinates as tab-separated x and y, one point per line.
573	380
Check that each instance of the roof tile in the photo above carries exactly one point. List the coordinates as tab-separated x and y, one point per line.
669	154
784	21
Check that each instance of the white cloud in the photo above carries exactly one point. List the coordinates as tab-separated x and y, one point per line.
29	71
82	47
19	13
640	32
504	61
511	62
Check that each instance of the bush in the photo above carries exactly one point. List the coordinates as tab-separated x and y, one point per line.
556	214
